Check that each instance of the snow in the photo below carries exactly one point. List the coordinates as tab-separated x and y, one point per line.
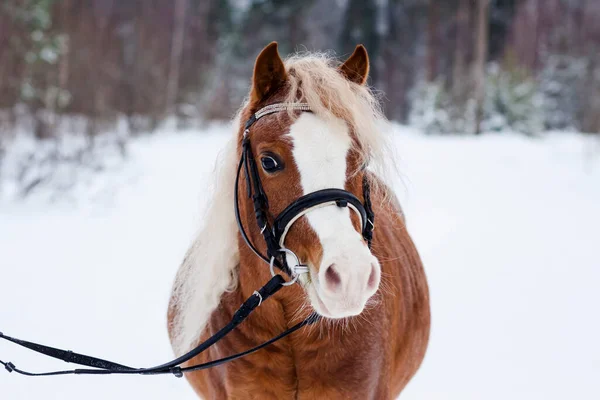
507	227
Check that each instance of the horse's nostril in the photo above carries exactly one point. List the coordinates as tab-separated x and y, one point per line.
372	278
332	277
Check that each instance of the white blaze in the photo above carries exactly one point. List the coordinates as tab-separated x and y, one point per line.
320	150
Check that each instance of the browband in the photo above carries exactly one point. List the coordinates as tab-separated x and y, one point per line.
273	108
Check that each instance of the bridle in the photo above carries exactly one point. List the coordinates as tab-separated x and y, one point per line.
274	232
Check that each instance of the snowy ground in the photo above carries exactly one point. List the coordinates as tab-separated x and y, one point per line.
507	226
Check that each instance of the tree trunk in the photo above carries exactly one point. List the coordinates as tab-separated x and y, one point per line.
535	30
433	14
482	20
460	61
176	51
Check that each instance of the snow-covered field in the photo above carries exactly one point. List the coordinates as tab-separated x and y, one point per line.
508	228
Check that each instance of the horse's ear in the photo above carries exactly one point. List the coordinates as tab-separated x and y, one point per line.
356	68
269	73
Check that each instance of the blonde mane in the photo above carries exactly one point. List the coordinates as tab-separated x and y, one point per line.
209	267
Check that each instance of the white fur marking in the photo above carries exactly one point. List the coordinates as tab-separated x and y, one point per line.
320	151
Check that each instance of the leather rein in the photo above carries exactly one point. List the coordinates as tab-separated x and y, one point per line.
273	230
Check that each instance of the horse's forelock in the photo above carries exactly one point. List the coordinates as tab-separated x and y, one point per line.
314	78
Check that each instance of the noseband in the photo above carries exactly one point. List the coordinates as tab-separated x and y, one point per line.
275	229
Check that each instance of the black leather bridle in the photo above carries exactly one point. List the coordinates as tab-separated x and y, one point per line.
274	235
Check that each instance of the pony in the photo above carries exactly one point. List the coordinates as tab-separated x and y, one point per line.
373	300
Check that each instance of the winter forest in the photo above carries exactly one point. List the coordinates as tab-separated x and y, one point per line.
456	66
109	70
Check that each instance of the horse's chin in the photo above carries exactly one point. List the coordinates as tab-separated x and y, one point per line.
333	309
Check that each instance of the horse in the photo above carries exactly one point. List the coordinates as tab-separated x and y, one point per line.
314	125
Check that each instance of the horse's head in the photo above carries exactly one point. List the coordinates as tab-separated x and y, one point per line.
298	153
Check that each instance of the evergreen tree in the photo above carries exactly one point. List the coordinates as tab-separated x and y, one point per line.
41	48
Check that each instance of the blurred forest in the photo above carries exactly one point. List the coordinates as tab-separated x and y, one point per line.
456	66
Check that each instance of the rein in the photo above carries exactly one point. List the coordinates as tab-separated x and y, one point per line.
273	230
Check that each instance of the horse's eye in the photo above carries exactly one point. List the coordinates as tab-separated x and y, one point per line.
271	164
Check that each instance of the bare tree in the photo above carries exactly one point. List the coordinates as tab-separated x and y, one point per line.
481	40
176	50
433	11
460	49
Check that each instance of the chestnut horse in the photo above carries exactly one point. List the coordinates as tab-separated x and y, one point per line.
373	300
